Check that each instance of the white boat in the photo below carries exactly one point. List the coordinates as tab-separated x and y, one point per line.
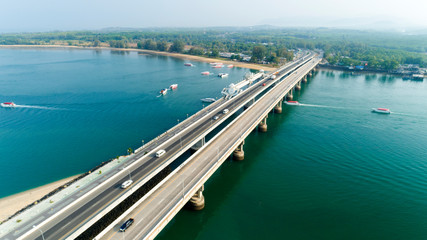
206	73
381	110
223	75
230	66
208	100
292	103
164	91
8	104
173	86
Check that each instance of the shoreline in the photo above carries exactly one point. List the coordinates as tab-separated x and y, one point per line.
169	54
12	204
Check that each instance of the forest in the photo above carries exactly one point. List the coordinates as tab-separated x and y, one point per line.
264	44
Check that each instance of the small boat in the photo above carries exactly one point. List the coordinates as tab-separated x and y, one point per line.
217	66
230	66
164	91
206	73
223	75
381	110
208	100
188	64
292	103
8	104
173	86
215	63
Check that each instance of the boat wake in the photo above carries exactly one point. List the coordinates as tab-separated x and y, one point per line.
319	106
37	107
407	114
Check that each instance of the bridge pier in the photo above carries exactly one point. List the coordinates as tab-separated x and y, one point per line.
198	145
262	127
298	86
197	201
290	96
304	79
278	107
239	154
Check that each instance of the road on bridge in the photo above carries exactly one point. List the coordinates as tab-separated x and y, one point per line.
177	140
160	207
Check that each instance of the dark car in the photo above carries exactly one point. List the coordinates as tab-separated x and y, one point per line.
126	225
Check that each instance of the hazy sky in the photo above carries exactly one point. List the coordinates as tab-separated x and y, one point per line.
47	15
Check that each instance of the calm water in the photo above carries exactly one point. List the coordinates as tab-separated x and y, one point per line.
79	108
332	170
329	169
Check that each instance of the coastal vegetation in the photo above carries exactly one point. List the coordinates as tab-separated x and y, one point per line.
264	44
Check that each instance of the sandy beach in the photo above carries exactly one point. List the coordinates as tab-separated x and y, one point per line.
177	55
11	204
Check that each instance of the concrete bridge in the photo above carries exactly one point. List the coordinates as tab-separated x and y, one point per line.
89	205
184	187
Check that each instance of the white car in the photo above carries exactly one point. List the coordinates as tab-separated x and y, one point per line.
225	111
126	184
160	153
215	117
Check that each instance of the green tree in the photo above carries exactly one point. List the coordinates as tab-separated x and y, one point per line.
177	46
150	45
258	53
140	45
273	58
96	43
214	53
162	46
196	51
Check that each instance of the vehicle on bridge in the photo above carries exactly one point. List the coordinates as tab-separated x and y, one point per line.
126	225
160	153
225	111
215	117
126	184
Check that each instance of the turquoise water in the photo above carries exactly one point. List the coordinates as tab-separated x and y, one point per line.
330	169
79	108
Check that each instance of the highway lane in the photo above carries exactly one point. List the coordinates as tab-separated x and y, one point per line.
106	195
160	204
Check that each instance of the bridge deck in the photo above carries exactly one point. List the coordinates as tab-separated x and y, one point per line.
157	210
85	210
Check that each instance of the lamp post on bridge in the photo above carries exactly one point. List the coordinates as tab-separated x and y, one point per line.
183	186
34	226
128	172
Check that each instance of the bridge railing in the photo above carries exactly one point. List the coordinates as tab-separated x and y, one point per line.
215	164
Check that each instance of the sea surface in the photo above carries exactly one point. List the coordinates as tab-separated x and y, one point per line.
78	108
327	169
